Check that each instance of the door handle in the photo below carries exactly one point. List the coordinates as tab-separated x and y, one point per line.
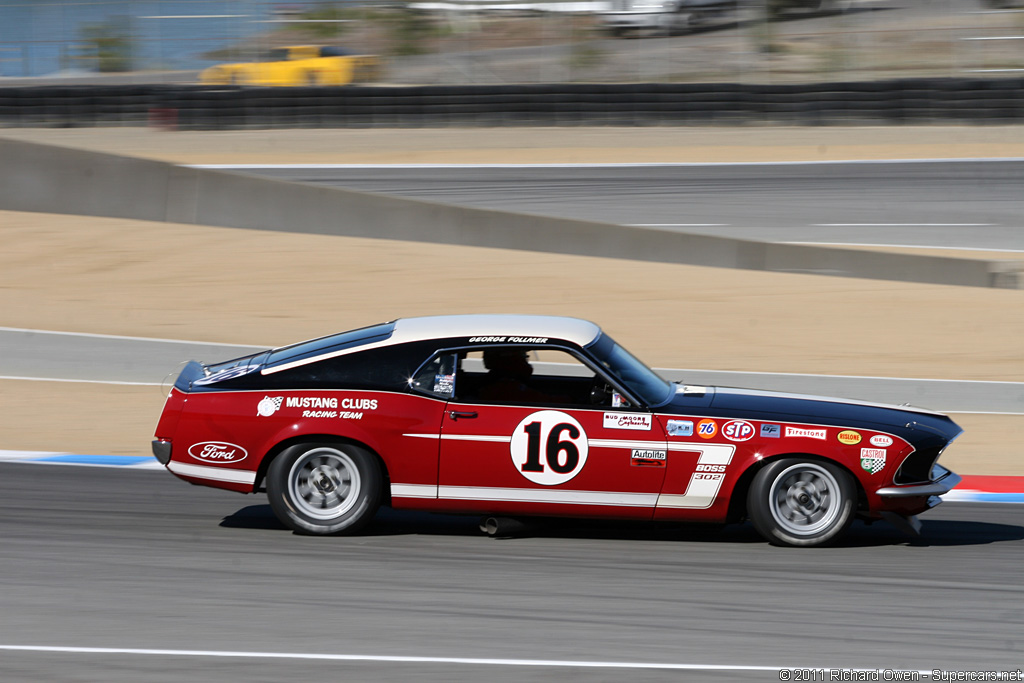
456	414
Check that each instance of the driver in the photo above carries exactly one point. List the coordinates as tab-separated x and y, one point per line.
508	378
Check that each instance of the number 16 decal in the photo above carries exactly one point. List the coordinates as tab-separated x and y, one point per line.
549	447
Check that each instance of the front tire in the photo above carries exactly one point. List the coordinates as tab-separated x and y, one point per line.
798	502
325	488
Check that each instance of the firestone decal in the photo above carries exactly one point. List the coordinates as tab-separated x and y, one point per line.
549	447
821	434
738	430
217	452
881	440
872	459
849	437
627	421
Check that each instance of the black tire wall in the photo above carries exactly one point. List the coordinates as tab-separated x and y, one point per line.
904	101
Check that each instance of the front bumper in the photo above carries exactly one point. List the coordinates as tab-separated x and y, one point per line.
943	481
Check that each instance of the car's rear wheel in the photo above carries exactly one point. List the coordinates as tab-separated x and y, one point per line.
325	488
801	502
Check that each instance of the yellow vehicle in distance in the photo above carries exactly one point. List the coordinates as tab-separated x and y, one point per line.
297	65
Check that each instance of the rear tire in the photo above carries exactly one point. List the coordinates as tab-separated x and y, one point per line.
799	502
325	488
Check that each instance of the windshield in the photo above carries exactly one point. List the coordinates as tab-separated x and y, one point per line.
631	372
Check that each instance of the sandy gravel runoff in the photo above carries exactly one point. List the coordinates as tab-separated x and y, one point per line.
250	287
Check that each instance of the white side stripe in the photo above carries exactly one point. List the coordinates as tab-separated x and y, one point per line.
214	473
616	443
476	437
549	496
594	443
414	490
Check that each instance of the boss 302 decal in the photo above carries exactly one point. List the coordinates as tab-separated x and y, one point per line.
707	478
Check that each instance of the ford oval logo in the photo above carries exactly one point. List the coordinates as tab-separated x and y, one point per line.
217	452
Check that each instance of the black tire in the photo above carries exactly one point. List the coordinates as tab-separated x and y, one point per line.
325	488
799	502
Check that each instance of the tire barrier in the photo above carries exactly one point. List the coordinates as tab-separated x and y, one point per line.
911	101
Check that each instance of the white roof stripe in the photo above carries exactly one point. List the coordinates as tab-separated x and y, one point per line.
578	331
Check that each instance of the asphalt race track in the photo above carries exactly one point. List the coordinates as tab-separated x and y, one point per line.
174	578
952	204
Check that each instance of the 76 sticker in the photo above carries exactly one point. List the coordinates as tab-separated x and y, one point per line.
549	447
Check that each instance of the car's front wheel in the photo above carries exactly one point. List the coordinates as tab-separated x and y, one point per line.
325	488
801	502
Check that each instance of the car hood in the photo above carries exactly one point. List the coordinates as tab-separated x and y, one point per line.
907	421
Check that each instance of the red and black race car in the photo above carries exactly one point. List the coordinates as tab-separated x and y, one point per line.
533	416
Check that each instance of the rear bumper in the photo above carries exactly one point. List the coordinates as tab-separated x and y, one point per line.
943	481
162	450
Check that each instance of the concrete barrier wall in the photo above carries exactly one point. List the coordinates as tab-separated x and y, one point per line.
56	180
910	100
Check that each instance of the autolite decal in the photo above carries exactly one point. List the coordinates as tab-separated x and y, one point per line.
217	452
647	458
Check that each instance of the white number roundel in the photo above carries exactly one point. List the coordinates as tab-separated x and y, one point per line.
549	447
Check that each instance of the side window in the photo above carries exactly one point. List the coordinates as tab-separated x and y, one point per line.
530	376
437	377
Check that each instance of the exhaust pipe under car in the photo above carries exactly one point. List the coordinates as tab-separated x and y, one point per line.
504	527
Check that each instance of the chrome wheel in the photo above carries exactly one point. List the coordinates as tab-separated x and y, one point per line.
801	502
803	499
324	483
325	488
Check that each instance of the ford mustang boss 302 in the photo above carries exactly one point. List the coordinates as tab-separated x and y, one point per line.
515	416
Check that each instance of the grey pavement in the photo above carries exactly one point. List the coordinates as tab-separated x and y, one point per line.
106	558
954	204
115	359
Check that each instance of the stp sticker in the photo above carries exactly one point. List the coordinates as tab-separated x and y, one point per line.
706	429
549	447
881	440
849	437
872	459
217	452
738	430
